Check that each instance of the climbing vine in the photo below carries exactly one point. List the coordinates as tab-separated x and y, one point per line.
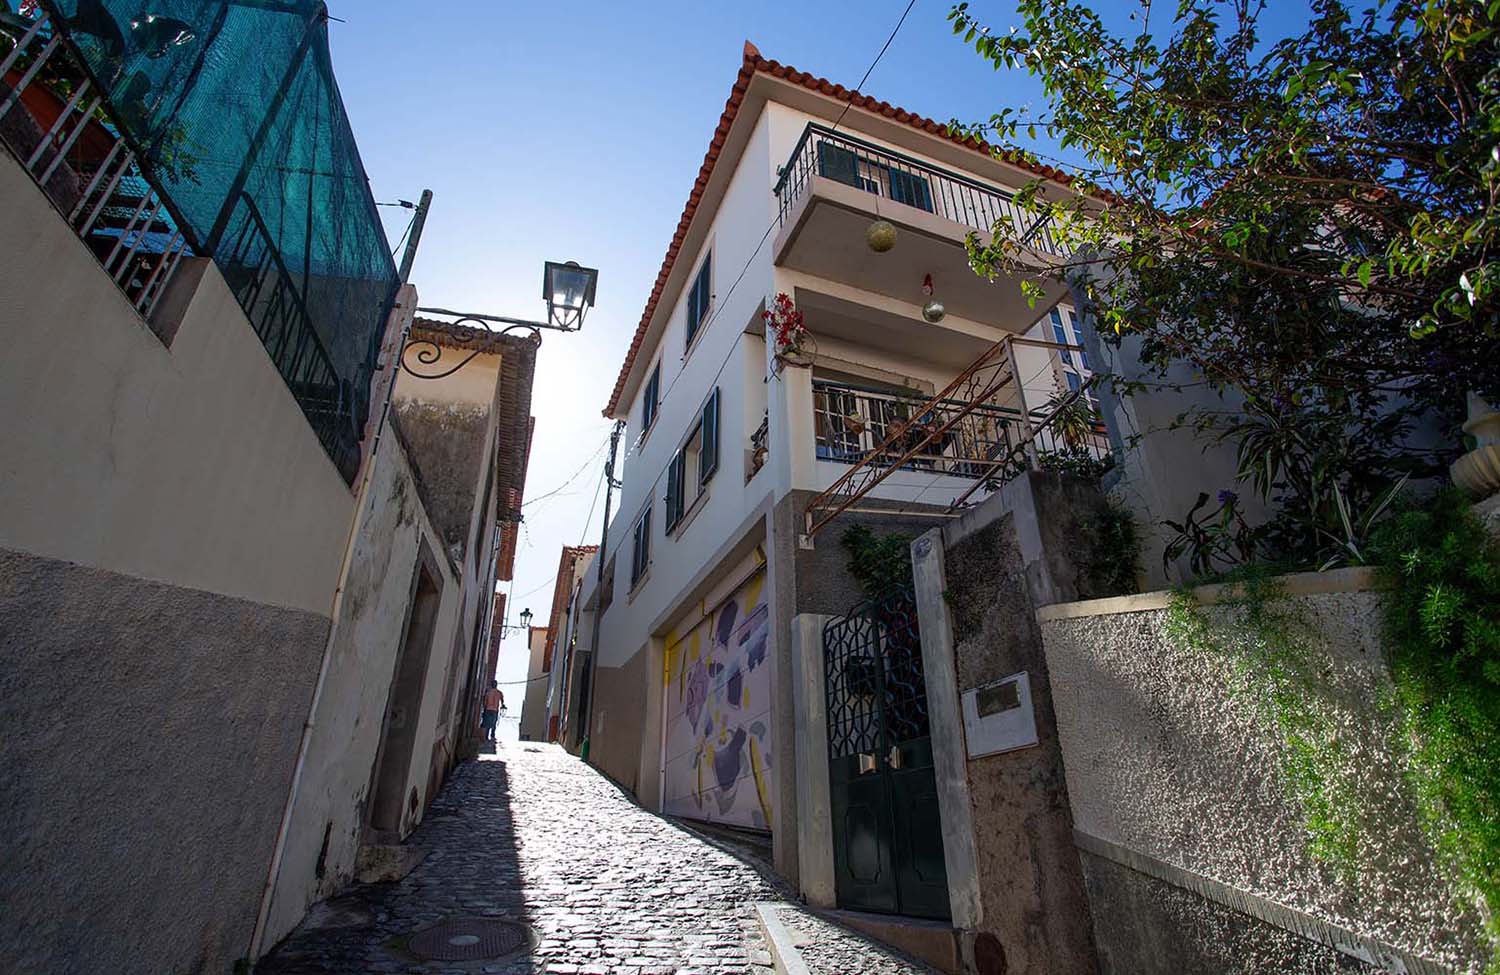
1275	671
1443	634
879	563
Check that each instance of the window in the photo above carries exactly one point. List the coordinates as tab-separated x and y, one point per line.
694	464
698	299
640	556
852	169
651	400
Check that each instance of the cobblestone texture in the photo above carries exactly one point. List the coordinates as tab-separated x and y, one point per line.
533	835
828	949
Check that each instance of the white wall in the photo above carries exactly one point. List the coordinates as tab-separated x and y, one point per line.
190	465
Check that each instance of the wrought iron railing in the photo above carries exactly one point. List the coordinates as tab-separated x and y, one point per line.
51	118
63	129
903	179
273	302
978	427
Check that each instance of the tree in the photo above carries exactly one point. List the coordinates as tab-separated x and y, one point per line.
1309	223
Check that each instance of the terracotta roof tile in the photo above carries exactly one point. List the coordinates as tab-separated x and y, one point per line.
752	64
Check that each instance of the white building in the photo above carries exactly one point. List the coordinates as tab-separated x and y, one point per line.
728	452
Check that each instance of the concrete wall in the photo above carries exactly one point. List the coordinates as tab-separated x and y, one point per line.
171	539
615	742
330	813
980	579
1195	852
190	465
150	734
534	698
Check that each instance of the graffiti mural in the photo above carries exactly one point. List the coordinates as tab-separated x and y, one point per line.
718	709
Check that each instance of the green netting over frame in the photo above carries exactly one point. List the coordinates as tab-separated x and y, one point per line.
233	107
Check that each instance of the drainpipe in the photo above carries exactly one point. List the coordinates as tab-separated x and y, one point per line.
361	496
609	487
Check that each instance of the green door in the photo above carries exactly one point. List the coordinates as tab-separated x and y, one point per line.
887	837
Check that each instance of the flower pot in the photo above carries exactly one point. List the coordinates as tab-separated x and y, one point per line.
793	357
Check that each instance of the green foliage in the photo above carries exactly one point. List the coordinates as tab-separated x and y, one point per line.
1308	226
1075	461
879	563
1215	540
1273	654
1114	551
1443	624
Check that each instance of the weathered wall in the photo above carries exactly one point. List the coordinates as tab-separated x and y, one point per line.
616	739
329	816
1174	775
150	734
534	694
448	445
1023	547
190	465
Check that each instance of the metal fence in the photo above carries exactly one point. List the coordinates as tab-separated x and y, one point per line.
903	179
213	127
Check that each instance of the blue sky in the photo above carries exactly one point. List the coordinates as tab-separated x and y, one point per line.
574	132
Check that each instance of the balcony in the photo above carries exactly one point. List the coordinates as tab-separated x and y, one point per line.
151	160
834	185
992	421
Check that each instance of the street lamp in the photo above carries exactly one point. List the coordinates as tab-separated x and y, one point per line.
568	290
526	618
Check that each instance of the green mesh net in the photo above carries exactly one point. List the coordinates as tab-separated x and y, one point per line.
233	110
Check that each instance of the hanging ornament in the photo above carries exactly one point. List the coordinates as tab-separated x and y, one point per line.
881	236
933	311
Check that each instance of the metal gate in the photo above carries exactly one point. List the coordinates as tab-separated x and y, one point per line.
887	837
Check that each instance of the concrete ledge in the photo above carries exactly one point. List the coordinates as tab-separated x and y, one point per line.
1304	925
1355	579
932	942
784	954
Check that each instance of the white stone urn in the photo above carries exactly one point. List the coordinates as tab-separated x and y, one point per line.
1478	471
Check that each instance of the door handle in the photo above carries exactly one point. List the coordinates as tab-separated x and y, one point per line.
866	763
895	758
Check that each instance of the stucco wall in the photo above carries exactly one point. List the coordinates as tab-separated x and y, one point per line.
150	734
1023	547
190	465
331	799
534	694
1164	761
617	738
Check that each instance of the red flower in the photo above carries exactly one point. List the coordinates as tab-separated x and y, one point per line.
785	321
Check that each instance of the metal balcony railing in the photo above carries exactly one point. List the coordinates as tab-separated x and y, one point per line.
903	179
51	117
69	136
979	427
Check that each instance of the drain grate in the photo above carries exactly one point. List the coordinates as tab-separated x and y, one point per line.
467	940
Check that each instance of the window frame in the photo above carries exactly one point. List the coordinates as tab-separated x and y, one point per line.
651	400
640	553
703	278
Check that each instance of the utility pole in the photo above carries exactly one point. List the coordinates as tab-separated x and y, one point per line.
418	221
609	489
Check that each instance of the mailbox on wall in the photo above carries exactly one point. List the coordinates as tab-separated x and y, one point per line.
998	716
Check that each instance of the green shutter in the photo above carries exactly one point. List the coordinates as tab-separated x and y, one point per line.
675	481
839	164
708	459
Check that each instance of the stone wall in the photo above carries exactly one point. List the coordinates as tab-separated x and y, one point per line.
150	735
616	737
1015	879
1195	852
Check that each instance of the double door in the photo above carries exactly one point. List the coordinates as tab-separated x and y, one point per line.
887	835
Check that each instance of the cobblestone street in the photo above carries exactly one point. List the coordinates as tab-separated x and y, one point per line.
536	837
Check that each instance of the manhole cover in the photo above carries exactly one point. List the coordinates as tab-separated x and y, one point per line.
467	940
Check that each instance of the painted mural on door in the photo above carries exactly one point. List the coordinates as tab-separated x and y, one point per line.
718	708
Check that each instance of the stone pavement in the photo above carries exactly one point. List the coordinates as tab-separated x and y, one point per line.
534	836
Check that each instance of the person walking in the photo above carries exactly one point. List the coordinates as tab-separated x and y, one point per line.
494	703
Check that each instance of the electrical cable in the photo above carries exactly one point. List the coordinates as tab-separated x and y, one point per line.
575	475
718	304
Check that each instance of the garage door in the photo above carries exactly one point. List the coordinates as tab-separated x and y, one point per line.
718	708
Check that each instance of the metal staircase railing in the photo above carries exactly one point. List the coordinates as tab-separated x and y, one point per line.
928	431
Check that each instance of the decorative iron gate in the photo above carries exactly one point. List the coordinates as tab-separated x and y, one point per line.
887	837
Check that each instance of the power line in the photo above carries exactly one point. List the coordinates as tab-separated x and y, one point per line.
575	475
719	305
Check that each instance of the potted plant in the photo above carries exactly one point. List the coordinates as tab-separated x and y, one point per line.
788	331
